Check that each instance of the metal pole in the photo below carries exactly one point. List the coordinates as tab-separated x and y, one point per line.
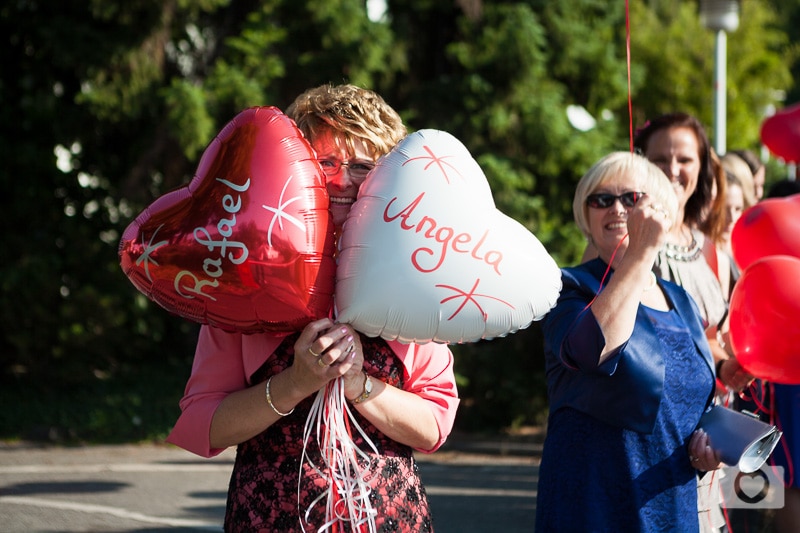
720	87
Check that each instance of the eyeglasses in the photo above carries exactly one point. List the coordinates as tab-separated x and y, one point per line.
358	169
605	200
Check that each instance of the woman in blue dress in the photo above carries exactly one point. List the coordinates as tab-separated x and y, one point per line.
629	370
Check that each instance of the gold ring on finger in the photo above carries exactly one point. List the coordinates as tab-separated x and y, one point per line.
312	352
321	363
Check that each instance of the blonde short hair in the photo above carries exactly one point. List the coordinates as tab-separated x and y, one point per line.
644	175
352	114
738	167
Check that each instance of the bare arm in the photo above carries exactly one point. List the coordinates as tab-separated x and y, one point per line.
400	415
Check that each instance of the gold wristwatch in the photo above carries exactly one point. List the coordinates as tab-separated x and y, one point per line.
367	389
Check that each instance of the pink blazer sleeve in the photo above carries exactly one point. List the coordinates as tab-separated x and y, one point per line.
223	363
429	374
217	369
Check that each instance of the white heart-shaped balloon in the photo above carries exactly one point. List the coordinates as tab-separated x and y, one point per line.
426	256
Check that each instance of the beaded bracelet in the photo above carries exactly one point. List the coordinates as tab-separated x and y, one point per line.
269	400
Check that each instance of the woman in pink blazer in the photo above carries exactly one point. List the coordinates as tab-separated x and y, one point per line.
255	391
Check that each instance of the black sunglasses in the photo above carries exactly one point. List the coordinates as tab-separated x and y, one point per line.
605	200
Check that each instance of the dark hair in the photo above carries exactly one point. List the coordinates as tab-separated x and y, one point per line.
693	210
784	187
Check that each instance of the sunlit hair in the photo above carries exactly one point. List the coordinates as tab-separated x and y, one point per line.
750	158
695	206
642	176
734	164
352	114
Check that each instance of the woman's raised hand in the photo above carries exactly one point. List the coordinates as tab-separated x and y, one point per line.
648	225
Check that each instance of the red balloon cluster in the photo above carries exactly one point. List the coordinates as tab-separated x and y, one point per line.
780	133
248	245
765	306
771	227
765	303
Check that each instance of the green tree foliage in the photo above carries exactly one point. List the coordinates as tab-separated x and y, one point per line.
510	74
674	57
787	19
108	105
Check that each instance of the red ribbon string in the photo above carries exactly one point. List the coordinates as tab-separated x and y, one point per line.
628	52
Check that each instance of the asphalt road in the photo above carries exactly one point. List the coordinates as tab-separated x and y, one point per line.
473	486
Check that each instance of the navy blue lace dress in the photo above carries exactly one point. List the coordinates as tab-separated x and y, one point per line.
596	477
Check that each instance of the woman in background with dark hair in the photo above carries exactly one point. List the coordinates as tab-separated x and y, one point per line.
677	143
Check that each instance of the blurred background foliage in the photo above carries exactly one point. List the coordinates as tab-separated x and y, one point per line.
105	106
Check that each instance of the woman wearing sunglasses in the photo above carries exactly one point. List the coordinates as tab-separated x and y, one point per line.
629	370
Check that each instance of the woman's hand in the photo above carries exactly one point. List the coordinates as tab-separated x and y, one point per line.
702	456
648	225
323	351
326	351
733	376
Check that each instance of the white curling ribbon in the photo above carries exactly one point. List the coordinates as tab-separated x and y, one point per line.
347	496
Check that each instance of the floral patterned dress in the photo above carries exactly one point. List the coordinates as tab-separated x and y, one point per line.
263	494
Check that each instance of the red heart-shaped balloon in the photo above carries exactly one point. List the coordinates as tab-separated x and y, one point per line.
248	245
781	133
764	307
771	227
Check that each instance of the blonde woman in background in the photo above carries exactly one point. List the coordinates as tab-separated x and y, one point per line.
729	203
735	165
757	168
